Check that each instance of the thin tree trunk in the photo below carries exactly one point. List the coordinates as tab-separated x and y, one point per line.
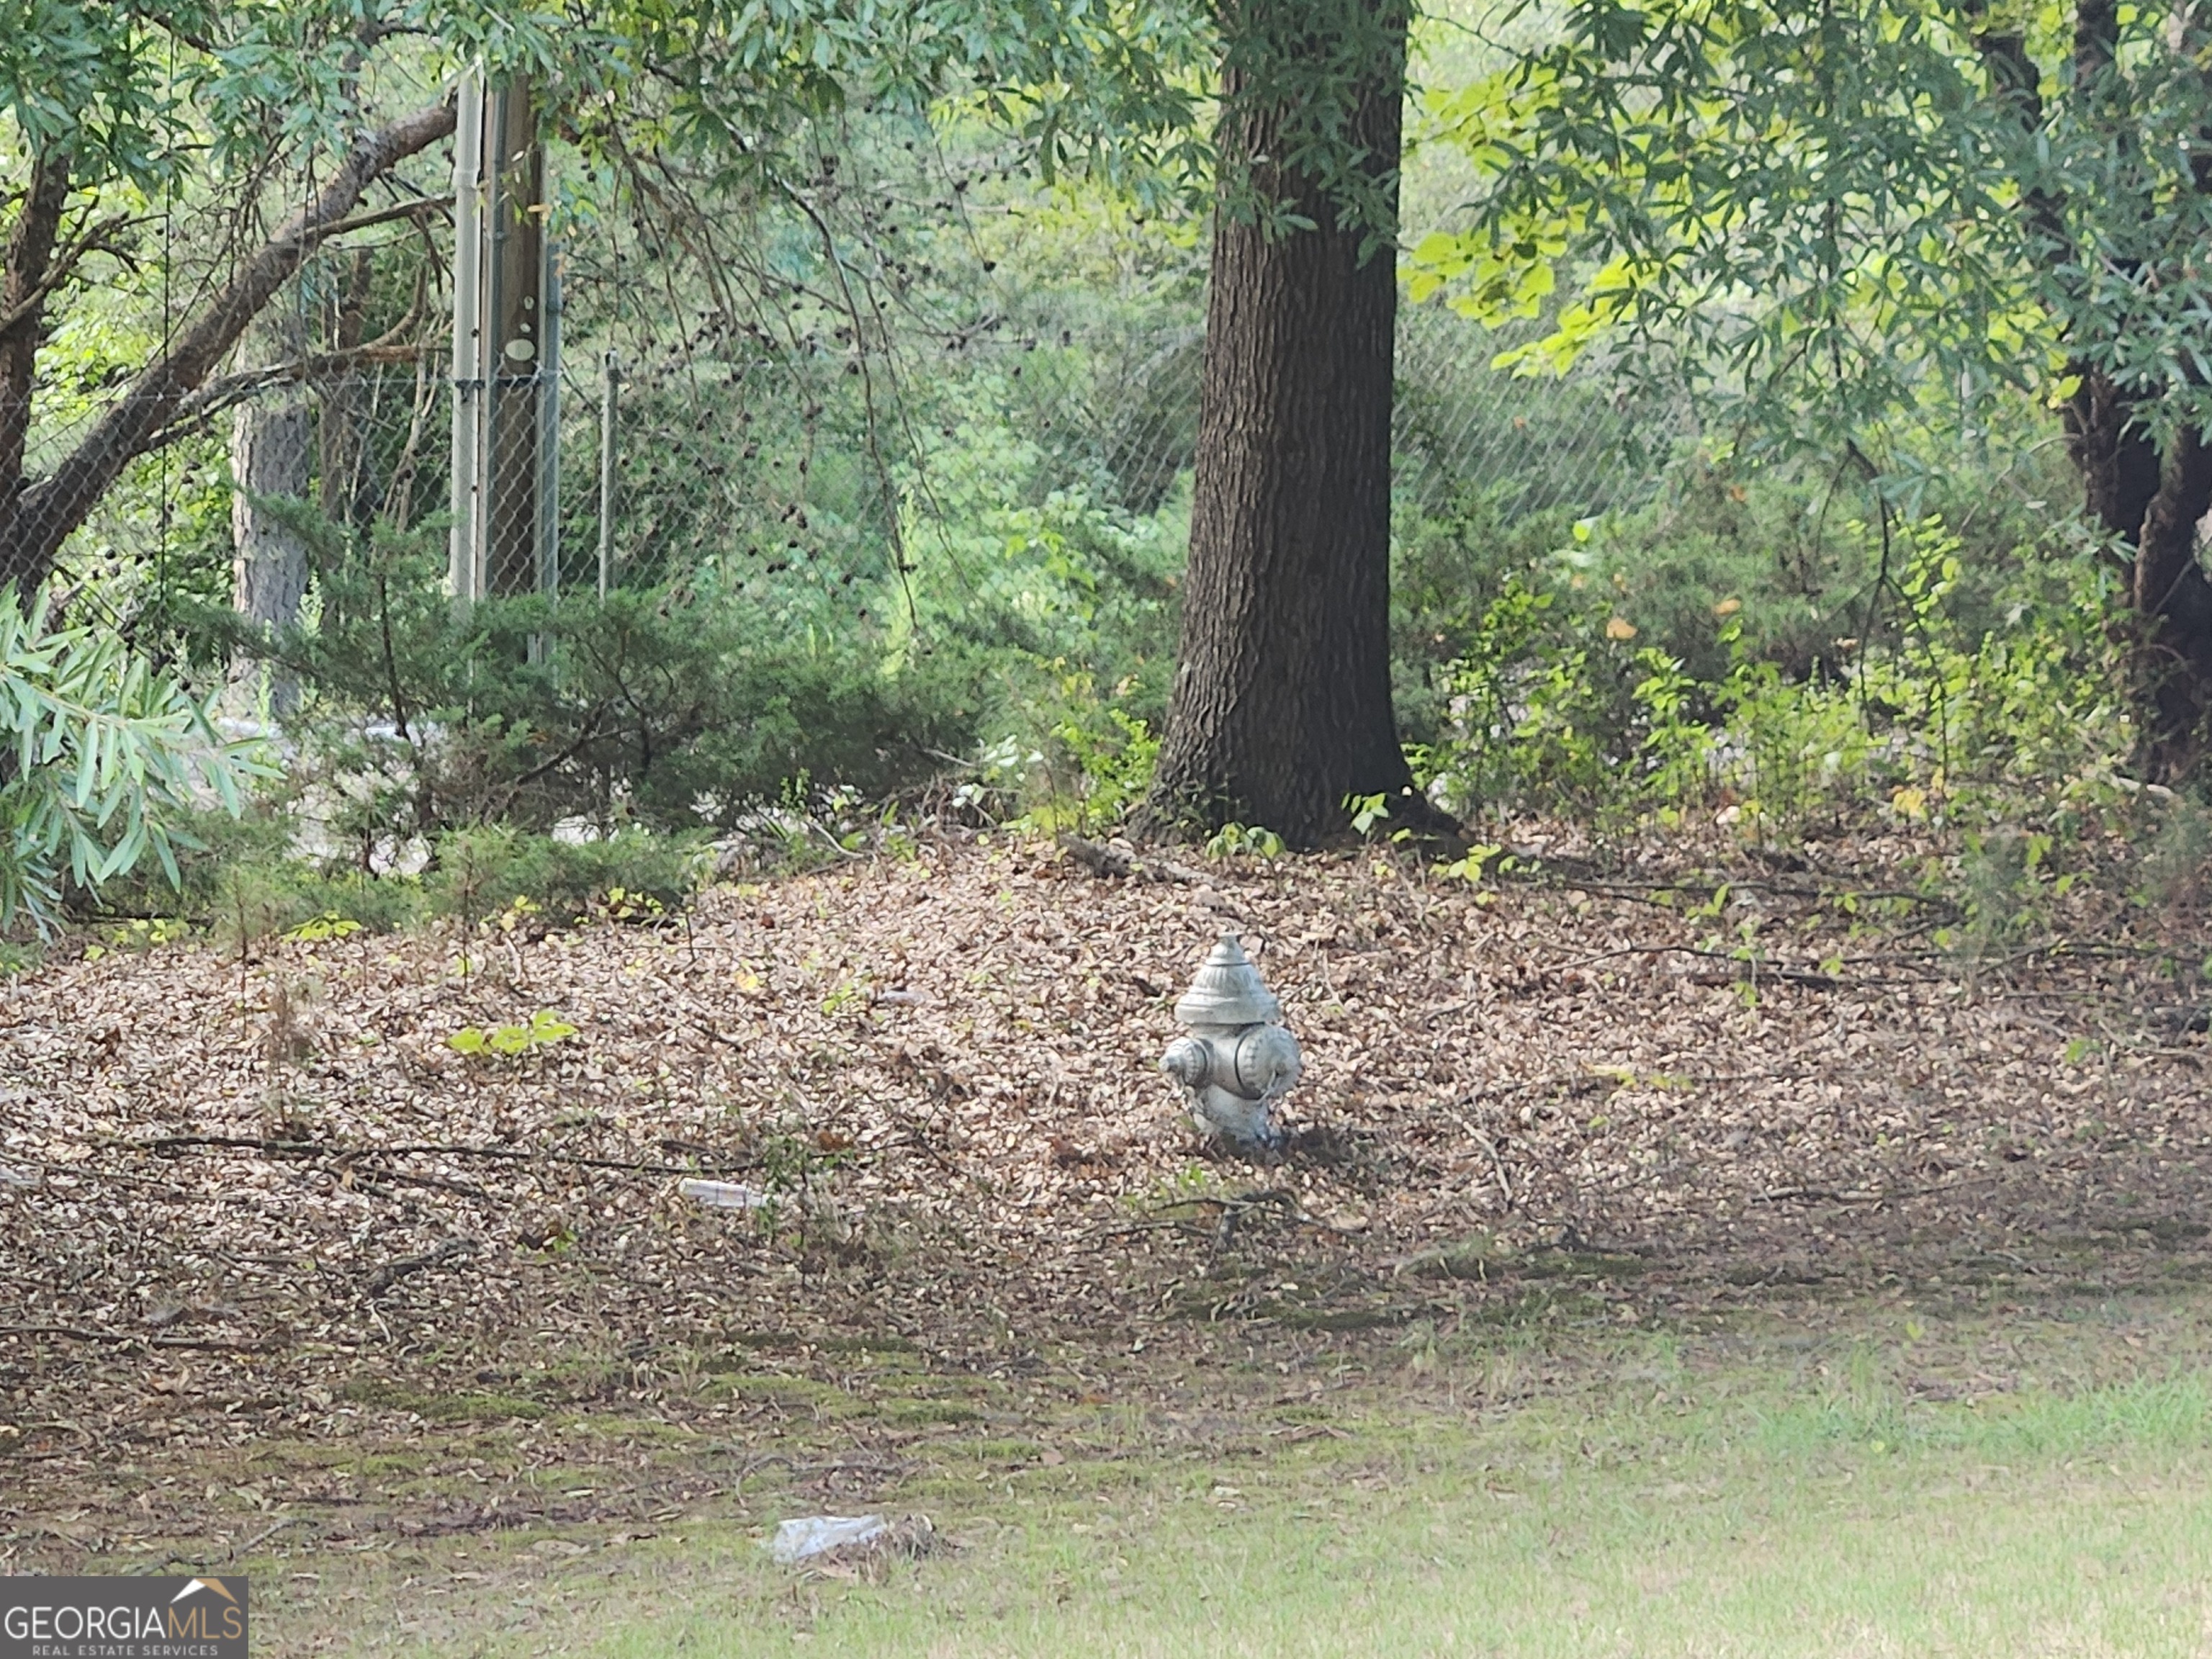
269	451
46	511
2114	456
22	303
340	432
1281	702
2172	662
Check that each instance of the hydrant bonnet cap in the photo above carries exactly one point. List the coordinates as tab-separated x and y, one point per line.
1228	991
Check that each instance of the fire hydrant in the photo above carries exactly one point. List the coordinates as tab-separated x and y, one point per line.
1237	1061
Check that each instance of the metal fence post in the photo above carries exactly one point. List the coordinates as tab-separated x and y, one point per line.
549	433
464	555
607	473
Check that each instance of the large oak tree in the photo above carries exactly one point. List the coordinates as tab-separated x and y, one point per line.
1280	710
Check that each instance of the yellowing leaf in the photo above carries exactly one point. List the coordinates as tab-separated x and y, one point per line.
1619	627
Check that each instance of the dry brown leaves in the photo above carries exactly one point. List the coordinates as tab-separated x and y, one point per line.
266	1197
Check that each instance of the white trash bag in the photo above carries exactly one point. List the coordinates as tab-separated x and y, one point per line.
817	1535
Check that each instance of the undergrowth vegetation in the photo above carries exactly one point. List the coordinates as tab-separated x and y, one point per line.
1596	681
1767	654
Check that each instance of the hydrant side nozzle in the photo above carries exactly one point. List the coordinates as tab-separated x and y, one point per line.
1189	1062
1267	1062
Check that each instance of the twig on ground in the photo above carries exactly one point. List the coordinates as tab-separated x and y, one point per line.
1108	862
128	1339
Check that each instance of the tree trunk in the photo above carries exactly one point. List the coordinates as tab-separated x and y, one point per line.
2148	501
1281	702
342	440
2151	502
269	561
22	304
2170	664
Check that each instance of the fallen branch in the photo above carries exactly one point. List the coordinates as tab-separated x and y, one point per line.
331	1149
1822	1195
1107	863
1491	1146
1758	969
408	1266
131	1338
1103	862
1231	1208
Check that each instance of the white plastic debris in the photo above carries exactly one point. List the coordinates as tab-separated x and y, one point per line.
817	1535
722	1194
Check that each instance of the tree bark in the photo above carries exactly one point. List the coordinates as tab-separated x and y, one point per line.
1281	702
22	301
45	512
2170	664
269	450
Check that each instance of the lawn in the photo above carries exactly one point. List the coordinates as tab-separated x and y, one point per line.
1853	1480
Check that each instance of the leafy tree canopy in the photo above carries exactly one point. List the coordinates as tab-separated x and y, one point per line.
1838	210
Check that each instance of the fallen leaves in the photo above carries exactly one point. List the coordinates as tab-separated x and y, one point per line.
941	1076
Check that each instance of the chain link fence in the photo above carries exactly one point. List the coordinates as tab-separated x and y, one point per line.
828	419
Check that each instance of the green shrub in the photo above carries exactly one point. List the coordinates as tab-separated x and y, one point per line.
672	707
1561	702
263	898
100	756
633	876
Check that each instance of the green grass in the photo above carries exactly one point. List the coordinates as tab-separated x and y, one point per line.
1791	1497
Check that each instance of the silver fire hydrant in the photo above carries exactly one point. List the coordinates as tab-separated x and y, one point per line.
1237	1061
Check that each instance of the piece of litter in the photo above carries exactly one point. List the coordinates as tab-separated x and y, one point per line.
817	1535
722	1194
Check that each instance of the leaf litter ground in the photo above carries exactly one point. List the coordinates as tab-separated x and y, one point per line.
276	1259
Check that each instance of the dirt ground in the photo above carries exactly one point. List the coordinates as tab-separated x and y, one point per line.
255	1200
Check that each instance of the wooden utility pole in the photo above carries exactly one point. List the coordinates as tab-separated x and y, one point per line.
503	432
515	339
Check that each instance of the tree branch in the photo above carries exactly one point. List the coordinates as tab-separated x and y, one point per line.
46	512
217	395
94	239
